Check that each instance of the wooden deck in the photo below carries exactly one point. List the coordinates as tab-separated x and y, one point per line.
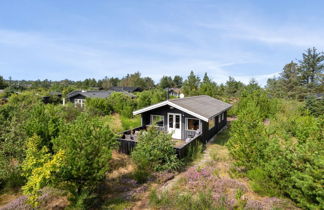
128	141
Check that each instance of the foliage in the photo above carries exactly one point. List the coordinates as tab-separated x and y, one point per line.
258	99
44	122
166	82
98	106
149	97
207	87
154	152
130	123
87	143
301	79
247	138
315	106
39	168
122	104
177	81
191	85
181	200
284	157
3	83
233	87
135	80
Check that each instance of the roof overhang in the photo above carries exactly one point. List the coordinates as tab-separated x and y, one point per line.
164	103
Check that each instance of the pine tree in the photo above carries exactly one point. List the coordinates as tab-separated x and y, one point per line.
178	81
311	66
191	85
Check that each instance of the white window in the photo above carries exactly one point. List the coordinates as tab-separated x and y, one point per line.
219	118
223	116
192	124
157	120
211	123
79	102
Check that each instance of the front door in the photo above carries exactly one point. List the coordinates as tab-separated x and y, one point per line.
174	125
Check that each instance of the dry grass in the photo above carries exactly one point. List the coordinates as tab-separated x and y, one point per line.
7	198
212	173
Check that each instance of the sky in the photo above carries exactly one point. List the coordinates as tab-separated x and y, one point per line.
79	39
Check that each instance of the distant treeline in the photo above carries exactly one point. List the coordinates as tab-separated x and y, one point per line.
296	81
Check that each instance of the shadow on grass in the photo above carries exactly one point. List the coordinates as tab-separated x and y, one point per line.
221	138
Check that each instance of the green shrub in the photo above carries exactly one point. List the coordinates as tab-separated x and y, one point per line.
98	106
88	145
154	152
284	157
194	151
122	104
130	123
261	183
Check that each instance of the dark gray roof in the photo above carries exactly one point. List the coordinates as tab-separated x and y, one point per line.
127	89
203	107
96	93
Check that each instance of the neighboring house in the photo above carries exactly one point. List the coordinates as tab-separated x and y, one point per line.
319	96
126	89
175	92
79	97
185	118
52	97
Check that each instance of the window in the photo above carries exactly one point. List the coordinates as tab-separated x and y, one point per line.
192	124
170	121
211	123
177	121
219	119
79	102
223	116
157	120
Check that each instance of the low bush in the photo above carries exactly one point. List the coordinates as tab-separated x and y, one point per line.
98	106
154	152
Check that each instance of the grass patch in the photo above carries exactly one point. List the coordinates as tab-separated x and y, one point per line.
130	123
184	200
261	184
117	204
222	137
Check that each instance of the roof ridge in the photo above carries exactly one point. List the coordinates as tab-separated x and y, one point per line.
175	99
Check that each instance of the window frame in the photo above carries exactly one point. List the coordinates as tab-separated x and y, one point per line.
186	122
213	119
79	101
151	120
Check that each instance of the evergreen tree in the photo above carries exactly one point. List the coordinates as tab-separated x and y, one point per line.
191	85
233	87
177	81
290	80
312	66
166	82
208	87
3	84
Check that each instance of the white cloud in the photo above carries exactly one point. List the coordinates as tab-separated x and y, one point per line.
287	34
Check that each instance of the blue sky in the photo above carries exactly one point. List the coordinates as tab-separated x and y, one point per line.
75	39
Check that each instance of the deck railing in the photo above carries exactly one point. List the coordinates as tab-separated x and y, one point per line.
128	144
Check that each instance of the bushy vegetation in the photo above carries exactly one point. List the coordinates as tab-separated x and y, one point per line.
154	152
284	157
79	162
276	140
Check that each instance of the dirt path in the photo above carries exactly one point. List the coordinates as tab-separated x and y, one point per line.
214	168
